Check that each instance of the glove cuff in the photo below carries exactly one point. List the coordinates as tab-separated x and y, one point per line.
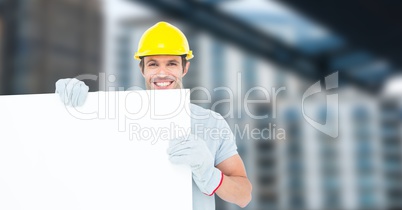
214	183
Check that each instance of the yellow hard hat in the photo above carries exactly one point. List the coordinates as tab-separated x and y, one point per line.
163	39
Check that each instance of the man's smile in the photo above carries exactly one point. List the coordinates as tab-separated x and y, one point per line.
163	83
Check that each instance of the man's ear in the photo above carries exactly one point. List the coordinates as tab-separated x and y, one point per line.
185	70
142	70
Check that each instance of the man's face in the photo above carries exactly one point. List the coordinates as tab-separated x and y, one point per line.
164	72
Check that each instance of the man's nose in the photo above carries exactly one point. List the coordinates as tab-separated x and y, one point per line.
162	70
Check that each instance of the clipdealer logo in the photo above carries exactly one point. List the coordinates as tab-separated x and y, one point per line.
331	126
109	104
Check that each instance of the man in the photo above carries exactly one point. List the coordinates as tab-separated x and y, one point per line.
216	167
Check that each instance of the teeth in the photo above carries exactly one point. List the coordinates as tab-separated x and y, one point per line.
162	84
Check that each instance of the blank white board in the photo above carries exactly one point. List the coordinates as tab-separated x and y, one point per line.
108	154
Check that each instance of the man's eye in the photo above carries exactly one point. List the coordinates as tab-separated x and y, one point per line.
152	64
172	64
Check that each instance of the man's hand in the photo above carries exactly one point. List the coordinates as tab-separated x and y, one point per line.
72	92
193	151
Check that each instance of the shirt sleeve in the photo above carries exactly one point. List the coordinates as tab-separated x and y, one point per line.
227	144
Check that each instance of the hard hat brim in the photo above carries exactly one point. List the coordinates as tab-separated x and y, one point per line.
138	56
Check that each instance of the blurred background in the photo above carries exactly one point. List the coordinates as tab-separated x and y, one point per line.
240	45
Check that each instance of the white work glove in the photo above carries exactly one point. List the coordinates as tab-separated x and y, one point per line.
72	92
193	151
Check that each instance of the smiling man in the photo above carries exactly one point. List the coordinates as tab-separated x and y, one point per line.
215	164
163	72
